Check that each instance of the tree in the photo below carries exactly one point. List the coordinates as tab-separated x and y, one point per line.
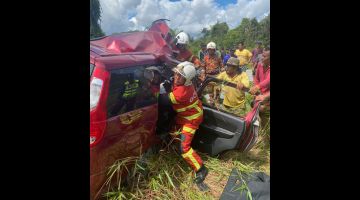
205	32
265	30
95	17
249	31
219	30
254	30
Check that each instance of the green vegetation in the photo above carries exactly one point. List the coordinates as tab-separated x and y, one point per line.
249	31
95	17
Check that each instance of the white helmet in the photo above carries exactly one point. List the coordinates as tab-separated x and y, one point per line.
149	72
182	38
211	45
187	70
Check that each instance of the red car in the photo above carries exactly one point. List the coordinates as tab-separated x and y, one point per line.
124	111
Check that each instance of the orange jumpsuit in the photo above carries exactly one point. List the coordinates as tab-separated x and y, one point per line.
189	116
186	55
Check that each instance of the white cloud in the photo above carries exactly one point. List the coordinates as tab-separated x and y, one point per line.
115	15
189	16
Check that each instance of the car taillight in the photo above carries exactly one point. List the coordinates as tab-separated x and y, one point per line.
98	111
95	91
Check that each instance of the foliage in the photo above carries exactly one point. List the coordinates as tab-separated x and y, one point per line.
95	17
249	31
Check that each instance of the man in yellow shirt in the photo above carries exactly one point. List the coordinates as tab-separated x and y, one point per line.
244	56
234	98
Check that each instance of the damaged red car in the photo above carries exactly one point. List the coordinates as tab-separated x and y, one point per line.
124	113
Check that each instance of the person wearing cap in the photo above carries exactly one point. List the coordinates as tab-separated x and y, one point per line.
184	54
189	115
212	63
243	55
234	98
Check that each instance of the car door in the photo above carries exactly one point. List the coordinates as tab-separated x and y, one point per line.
220	130
130	125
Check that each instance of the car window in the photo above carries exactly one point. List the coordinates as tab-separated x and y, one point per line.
129	90
213	95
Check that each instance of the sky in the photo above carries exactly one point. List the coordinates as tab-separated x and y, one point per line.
189	16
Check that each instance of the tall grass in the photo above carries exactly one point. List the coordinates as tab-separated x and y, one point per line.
170	177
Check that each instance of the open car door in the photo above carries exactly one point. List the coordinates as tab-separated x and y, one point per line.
221	130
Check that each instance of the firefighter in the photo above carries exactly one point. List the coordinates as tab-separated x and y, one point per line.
189	115
184	54
182	41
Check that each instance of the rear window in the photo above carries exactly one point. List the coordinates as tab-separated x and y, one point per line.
91	69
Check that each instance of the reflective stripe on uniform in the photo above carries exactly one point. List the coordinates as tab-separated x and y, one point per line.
189	155
188	107
195	116
194	105
172	98
189	130
198	108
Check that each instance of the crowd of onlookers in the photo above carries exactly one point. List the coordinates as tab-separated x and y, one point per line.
249	70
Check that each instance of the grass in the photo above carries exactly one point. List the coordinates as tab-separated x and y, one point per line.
169	177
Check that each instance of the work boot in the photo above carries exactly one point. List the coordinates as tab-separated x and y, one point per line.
200	177
201	174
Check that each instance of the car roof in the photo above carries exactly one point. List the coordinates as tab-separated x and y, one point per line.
128	49
125	60
142	41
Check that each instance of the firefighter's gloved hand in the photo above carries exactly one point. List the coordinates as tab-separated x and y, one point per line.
162	89
167	86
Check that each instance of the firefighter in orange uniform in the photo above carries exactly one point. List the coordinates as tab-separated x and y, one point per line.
182	40
189	115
